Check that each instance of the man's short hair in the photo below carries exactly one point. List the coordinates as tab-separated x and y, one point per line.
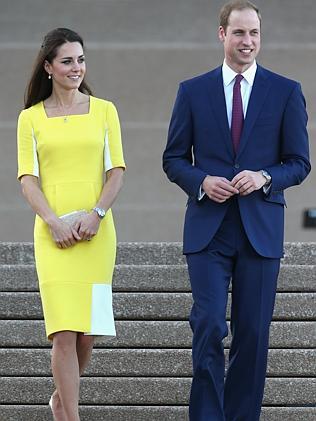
235	5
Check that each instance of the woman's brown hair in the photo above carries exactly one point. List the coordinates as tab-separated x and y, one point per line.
40	87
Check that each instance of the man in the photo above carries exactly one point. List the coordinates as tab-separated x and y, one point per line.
237	140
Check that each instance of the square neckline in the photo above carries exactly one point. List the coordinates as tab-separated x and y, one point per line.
67	115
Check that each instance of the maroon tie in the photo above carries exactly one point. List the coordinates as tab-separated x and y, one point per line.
237	114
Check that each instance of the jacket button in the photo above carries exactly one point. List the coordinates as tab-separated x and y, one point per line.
236	165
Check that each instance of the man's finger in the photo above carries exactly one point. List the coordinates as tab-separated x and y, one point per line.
247	190
242	183
228	187
238	177
244	187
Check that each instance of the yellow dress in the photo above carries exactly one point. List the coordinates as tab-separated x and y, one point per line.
70	155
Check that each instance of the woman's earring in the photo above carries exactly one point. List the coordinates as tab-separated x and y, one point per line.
49	76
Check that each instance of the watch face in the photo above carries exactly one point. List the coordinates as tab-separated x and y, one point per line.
267	176
101	212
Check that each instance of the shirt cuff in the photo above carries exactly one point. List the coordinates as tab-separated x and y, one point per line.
201	193
266	189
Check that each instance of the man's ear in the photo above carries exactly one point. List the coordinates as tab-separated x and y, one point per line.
221	34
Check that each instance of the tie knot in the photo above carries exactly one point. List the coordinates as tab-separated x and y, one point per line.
238	78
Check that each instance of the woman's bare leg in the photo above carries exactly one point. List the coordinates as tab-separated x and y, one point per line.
57	408
65	367
84	348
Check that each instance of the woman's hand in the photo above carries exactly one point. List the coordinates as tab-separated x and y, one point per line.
64	235
87	226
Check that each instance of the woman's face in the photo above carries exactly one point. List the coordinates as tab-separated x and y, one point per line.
68	67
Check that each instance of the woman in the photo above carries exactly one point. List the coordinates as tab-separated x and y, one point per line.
70	159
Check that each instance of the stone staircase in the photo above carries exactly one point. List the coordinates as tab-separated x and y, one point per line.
144	374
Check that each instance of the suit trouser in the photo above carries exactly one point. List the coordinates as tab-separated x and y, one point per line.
230	257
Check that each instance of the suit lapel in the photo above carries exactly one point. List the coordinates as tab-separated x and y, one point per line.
258	95
218	104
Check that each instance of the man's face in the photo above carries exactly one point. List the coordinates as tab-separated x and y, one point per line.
241	40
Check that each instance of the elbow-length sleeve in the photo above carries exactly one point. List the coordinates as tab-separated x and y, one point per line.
27	147
113	151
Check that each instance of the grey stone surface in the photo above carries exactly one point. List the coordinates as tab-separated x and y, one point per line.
97	413
115	21
297	278
157	323
155	306
16	253
153	334
288	414
148	363
300	253
148	21
143	413
291	363
153	253
18	278
146	391
295	306
141	278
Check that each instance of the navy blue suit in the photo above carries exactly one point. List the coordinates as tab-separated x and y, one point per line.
240	240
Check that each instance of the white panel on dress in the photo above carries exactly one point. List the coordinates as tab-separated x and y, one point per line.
107	154
102	319
35	159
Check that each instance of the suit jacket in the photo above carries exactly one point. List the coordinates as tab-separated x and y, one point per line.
274	138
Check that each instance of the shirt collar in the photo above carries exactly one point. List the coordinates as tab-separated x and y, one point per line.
229	74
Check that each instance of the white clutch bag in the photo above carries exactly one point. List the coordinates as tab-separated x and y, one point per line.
72	217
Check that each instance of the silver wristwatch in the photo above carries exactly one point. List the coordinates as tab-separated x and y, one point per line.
100	212
267	176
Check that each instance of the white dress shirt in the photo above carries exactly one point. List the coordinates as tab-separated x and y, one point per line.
245	89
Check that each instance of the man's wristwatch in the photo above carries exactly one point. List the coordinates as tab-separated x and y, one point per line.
267	176
100	212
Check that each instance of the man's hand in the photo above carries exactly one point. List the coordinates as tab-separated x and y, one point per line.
248	181
218	189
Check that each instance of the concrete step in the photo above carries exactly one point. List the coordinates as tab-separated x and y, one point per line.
155	306
153	253
152	334
155	278
142	413
148	363
146	391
